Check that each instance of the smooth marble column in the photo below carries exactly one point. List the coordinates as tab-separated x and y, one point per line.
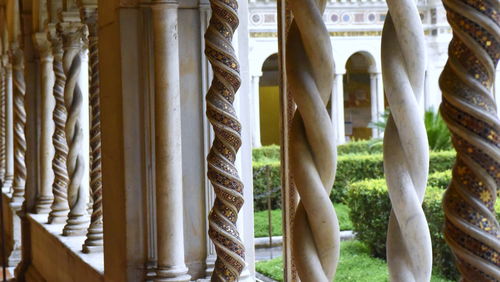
373	102
44	197
380	100
337	108
256	143
168	166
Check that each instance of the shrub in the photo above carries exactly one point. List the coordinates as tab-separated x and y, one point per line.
350	168
269	153
370	208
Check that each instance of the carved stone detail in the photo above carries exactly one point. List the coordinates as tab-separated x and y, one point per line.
94	240
74	37
60	208
468	107
406	153
313	153
19	90
222	172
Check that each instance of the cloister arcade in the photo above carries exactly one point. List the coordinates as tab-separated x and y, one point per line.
127	128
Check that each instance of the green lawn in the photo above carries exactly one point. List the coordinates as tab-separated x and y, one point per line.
355	264
261	221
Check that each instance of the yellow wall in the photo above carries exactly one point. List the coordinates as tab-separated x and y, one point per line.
269	115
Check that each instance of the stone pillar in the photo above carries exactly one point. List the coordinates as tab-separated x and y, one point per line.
9	128
94	240
471	226
206	76
337	108
313	150
74	36
406	152
168	167
44	196
380	100
374	102
59	207
19	91
3	101
222	170
256	143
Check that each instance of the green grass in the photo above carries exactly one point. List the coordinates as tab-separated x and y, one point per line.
355	264
261	221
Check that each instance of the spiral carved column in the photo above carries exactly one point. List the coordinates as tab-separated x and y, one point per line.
94	240
406	153
74	37
220	112
309	61
59	208
19	89
468	107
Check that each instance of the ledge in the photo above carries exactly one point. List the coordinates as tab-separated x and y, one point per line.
60	258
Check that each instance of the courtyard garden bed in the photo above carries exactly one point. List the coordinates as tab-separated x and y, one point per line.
356	264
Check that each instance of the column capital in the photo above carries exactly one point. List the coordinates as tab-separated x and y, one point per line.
42	45
73	34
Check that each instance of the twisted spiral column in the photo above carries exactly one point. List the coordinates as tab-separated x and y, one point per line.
74	37
59	208
406	153
94	240
309	61
220	112
468	107
19	91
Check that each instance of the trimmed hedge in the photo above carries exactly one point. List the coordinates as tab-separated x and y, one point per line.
370	208
350	168
272	152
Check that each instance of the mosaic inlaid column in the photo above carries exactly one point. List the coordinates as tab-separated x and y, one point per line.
19	91
59	208
74	36
94	240
168	164
313	153
468	107
44	196
406	153
221	159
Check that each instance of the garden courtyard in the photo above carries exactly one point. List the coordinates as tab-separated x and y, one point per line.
362	205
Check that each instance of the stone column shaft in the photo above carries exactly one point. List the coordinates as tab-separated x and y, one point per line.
169	200
59	207
9	128
19	90
337	108
74	36
44	196
374	102
94	240
256	143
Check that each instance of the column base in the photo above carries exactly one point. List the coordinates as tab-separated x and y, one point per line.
76	226
172	274
58	214
43	205
88	249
